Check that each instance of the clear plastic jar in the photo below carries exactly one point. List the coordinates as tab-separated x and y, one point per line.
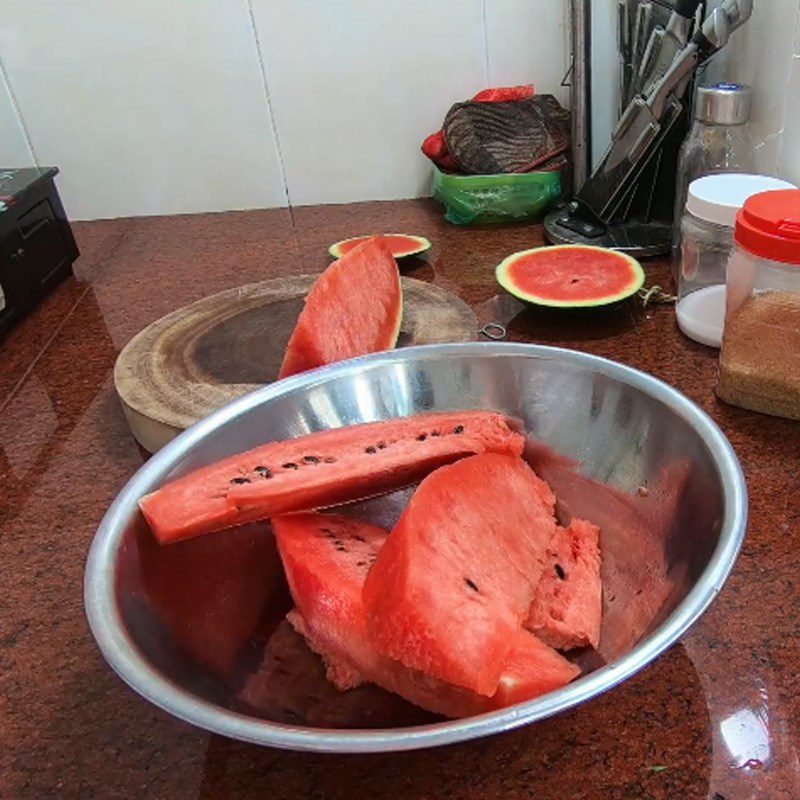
718	143
760	357
706	243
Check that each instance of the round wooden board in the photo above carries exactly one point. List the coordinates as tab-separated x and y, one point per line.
194	360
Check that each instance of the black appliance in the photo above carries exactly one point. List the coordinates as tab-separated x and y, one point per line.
37	248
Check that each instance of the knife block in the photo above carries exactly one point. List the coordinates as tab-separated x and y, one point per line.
643	223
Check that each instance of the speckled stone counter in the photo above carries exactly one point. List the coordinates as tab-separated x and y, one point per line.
718	716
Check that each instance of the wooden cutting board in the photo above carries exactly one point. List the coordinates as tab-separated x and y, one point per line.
194	360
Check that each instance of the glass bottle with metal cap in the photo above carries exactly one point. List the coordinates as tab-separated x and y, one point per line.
719	141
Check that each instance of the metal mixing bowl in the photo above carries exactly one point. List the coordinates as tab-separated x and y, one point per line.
624	430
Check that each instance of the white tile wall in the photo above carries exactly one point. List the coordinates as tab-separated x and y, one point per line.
162	107
14	149
356	86
789	153
188	105
527	42
761	54
150	107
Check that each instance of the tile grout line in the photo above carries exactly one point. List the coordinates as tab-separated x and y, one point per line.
486	45
17	112
784	115
268	99
25	375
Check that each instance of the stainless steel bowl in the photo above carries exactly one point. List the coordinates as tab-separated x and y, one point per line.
624	429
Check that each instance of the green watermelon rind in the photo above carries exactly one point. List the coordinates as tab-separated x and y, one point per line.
424	244
636	282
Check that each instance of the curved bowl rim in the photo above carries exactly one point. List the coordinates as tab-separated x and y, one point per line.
121	654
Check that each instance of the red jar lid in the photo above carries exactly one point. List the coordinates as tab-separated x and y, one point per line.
769	226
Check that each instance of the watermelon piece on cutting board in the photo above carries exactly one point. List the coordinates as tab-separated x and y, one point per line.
455	580
326	559
322	469
354	308
567	607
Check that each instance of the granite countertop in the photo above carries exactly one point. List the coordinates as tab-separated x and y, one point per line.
717	716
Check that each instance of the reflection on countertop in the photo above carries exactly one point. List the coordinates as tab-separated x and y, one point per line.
718	716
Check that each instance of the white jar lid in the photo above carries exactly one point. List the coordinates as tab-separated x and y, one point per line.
718	198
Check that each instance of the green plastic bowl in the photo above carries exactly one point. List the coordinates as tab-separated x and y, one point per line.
477	199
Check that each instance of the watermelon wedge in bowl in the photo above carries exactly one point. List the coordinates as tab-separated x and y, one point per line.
640	462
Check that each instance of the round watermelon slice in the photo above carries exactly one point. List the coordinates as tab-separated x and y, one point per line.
400	244
354	308
570	276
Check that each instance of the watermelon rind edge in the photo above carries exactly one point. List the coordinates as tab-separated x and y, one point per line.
637	275
424	244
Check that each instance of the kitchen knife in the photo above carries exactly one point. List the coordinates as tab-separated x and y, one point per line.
641	28
625	53
665	44
639	126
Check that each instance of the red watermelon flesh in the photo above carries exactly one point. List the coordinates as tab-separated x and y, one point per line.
290	686
570	276
355	307
456	577
566	610
326	559
211	594
321	469
399	244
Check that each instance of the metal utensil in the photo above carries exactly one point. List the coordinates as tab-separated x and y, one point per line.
665	44
624	427
641	31
647	115
625	47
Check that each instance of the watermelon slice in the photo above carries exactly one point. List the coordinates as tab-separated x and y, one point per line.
400	244
212	593
570	276
566	610
321	469
326	559
456	577
355	307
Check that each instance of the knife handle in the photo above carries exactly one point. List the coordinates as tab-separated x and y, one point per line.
686	8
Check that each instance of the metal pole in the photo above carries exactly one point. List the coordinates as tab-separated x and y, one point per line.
581	90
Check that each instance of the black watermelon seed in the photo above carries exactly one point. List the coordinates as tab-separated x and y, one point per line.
560	572
359	538
330	460
240	480
370	450
311	459
381	445
341	549
472	585
290	465
435	433
361	563
265	472
459	429
422	437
